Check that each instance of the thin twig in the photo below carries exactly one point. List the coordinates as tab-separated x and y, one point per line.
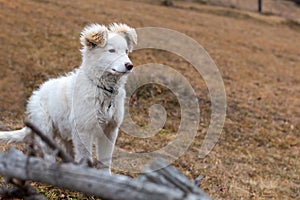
60	152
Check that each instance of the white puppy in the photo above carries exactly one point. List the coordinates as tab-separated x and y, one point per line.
88	104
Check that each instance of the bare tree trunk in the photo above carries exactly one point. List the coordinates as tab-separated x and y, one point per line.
91	181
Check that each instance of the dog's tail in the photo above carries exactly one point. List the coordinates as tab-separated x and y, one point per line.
15	136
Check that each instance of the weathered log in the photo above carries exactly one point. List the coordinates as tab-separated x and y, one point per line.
171	177
15	164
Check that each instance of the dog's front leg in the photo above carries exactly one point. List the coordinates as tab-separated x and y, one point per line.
104	148
82	143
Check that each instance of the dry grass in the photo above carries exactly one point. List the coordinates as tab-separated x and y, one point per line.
257	156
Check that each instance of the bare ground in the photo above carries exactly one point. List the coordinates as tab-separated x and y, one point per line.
257	156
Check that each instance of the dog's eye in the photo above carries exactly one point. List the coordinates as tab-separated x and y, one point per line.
127	51
112	51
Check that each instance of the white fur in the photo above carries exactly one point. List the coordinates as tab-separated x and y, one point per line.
87	104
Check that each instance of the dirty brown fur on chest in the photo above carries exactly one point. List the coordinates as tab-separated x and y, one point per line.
105	106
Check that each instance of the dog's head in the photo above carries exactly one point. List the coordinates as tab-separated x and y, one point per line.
107	48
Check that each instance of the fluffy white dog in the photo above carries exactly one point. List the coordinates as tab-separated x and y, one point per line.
86	105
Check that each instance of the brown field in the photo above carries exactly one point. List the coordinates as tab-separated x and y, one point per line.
257	155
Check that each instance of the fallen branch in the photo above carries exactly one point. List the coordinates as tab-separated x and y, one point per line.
60	153
169	176
15	164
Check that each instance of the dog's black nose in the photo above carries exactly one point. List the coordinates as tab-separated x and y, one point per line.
128	66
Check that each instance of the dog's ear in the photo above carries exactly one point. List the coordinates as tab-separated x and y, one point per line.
128	32
94	35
